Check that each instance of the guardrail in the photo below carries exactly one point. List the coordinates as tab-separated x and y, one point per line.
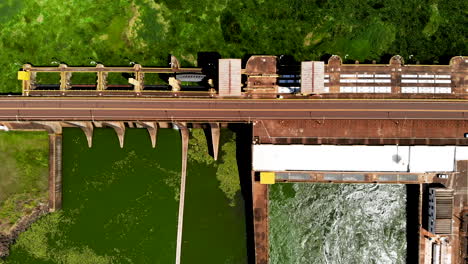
29	74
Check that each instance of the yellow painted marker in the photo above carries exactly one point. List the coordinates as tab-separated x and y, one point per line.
267	177
24	76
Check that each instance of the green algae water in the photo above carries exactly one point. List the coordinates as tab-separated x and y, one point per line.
214	219
337	223
120	205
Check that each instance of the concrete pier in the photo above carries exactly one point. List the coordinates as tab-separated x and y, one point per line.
55	172
215	135
152	128
87	128
51	127
260	216
422	254
185	140
119	128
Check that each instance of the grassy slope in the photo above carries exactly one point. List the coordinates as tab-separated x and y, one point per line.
23	174
116	32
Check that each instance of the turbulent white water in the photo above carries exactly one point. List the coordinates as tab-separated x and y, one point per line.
337	223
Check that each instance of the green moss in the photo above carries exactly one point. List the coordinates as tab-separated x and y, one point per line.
35	242
198	148
227	172
24	158
18	205
23	175
117	206
10	211
81	256
226	166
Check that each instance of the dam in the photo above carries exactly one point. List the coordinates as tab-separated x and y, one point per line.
392	106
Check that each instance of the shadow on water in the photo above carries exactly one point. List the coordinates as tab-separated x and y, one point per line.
244	164
214	225
209	140
412	225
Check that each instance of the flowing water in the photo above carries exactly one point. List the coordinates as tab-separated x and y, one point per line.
337	223
120	206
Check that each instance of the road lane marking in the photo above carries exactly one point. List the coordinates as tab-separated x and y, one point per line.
238	110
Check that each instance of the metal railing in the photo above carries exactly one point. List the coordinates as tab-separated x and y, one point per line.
28	75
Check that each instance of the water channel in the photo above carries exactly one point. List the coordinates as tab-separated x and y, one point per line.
120	206
338	223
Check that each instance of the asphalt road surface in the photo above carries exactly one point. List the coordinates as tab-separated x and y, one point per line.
141	109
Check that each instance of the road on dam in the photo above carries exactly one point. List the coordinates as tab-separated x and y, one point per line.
142	109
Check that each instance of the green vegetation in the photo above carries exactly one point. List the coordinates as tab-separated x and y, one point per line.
23	175
227	172
118	204
226	166
16	206
198	148
36	242
117	32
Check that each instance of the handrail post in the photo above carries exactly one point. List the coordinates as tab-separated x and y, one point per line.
101	78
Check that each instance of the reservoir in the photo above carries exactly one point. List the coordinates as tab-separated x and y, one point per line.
121	205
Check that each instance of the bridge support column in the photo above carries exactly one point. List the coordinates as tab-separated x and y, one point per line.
87	128
185	140
215	135
55	172
119	128
51	127
152	128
